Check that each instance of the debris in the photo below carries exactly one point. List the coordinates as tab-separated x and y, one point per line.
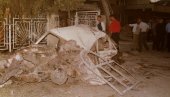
75	56
78	33
11	71
59	76
28	78
125	81
3	64
9	82
112	96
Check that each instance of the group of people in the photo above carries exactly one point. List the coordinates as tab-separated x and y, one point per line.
160	31
161	34
140	30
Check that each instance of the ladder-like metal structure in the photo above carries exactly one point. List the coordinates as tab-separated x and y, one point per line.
113	74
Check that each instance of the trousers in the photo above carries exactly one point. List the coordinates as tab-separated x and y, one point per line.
116	38
135	45
143	41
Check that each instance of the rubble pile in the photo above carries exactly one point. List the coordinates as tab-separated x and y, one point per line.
41	63
90	60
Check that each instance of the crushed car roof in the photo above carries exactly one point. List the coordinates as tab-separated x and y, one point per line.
85	36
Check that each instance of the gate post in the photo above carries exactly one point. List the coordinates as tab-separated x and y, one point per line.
10	38
76	19
10	33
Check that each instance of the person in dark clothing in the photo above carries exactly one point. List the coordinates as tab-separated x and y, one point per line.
168	35
154	24
100	24
160	35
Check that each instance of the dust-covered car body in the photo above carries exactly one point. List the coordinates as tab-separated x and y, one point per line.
80	52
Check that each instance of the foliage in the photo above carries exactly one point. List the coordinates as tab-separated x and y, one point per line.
35	7
70	4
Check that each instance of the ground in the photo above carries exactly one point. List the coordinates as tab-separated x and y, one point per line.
151	68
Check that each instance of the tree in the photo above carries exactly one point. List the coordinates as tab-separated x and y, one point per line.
69	5
37	7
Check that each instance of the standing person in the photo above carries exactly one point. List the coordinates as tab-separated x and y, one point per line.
100	25
136	31
154	24
168	35
160	34
144	27
149	34
114	29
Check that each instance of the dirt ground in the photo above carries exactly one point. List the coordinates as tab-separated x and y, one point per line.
151	68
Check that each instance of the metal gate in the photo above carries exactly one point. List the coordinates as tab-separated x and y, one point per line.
26	31
87	17
18	32
4	35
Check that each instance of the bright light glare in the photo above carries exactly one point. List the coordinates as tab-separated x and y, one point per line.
154	1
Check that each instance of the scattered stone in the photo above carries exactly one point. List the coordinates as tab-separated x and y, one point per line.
11	71
38	63
59	76
3	64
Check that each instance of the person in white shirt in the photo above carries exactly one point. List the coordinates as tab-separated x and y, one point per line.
101	25
136	31
144	27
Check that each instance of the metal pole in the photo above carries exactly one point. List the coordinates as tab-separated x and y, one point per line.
10	31
76	18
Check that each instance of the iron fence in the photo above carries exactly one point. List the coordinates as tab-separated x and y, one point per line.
18	32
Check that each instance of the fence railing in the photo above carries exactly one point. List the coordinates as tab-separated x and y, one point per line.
4	35
18	32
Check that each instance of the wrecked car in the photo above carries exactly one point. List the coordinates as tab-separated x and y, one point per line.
80	52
